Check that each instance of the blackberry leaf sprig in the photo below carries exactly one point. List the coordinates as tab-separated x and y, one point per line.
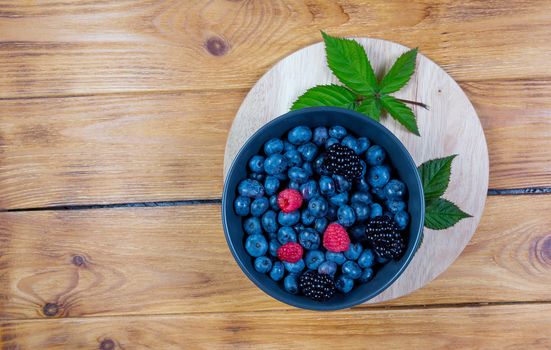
362	91
440	213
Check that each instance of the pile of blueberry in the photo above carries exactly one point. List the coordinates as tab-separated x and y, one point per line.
322	211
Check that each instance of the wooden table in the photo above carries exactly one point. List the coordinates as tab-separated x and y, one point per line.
113	121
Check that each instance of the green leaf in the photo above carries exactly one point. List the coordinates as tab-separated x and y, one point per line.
348	61
371	107
441	214
402	113
435	176
326	95
400	73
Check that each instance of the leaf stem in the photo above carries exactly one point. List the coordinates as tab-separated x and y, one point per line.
420	104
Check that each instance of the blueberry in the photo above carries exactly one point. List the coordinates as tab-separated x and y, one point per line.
361	197
332	213
256	164
286	234
376	210
327	268
271	185
259	206
339	199
381	259
344	284
341	183
275	164
273	203
375	155
379	193
241	205
319	168
288	219
294	267
309	189
299	135
363	145
281	176
330	142
337	258
308	151
337	132
257	176
327	186
378	176
306	217
314	258
256	245
351	269
277	271
402	219
353	251
357	233
299	228
350	142
287	146
269	222
297	175
364	168
273	247
293	158
395	189
252	226
361	185
308	168
366	276
320	135
273	146
346	216
366	259
393	206
318	206
309	239
262	264
321	224
361	210
290	284
294	185
250	188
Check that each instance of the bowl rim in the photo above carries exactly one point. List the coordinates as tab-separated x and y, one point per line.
345	304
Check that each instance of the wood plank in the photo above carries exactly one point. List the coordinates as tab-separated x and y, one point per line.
170	146
175	260
71	47
489	327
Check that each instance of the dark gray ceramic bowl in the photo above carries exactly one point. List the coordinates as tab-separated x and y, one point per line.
361	126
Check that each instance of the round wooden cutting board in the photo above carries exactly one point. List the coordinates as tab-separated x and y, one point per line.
451	126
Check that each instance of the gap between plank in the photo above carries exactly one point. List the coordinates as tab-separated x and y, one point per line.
177	203
362	308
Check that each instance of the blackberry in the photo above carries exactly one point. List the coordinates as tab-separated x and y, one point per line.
316	286
342	160
383	236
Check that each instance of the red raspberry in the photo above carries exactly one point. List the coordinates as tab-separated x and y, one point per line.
335	238
289	200
290	252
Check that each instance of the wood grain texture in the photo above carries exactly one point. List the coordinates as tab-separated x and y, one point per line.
111	46
169	146
489	327
451	126
175	260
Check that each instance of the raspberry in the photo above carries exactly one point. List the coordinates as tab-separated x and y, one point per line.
290	252
335	238
383	236
289	200
342	160
316	286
